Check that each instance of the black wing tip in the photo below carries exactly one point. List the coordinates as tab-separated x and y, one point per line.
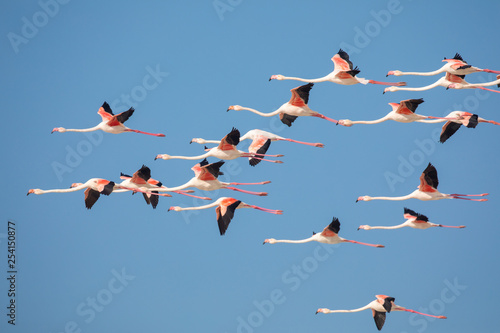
410	211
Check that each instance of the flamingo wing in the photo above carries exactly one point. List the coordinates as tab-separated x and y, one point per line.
455	78
124	176
105	112
225	213
123	117
429	179
259	148
409	214
341	61
107	186
332	229
472	121
409	106
91	197
287	119
151	199
448	129
230	141
210	171
142	175
379	318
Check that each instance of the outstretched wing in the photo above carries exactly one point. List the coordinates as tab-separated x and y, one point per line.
91	197
230	141
448	129
429	178
142	175
105	112
225	215
409	106
287	119
123	117
341	61
262	150
332	229
379	318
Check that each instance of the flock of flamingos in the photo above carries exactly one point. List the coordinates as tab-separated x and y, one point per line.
206	174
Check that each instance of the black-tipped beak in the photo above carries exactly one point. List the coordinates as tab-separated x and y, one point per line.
190	142
447	87
317	312
357	200
270	79
386	75
228	110
383	92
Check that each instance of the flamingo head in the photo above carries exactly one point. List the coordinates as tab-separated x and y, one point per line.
364	198
276	77
34	191
235	108
198	140
390	89
323	310
58	129
455	86
162	156
270	241
75	185
345	122
175	208
364	227
395	73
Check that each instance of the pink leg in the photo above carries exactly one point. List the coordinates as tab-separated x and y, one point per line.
262	194
451	226
320	145
263	159
483	88
420	313
193	196
319	115
398	84
146	192
261	183
137	131
469	199
374	245
491	71
470	195
253	155
272	211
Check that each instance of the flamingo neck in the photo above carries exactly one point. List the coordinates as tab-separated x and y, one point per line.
441	70
270	114
366	307
390	227
405	197
95	128
310	239
368	122
321	79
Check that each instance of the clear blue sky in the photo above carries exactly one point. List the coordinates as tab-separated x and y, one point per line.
176	274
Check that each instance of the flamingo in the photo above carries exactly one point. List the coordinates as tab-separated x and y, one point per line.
414	220
329	235
403	112
225	151
110	123
205	179
225	210
94	187
456	66
141	181
427	190
449	81
343	73
257	134
295	107
379	307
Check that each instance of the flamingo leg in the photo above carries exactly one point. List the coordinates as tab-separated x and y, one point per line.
420	313
355	242
469	195
319	115
398	84
320	145
469	199
146	192
137	131
491	71
193	196
491	122
267	210
452	226
262	194
483	88
261	183
262	159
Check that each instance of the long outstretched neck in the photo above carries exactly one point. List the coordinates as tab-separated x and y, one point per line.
173	189
270	114
200	157
433	121
300	241
367	244
366	307
441	70
368	122
213	204
137	131
91	129
399	308
405	197
66	190
390	227
321	79
430	86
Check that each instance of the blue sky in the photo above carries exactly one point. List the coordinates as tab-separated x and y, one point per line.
181	65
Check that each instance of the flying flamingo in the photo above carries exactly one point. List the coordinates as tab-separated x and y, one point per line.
329	235
94	187
403	112
414	220
225	210
379	307
343	73
110	123
225	151
141	181
205	179
455	66
449	81
427	190
295	107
